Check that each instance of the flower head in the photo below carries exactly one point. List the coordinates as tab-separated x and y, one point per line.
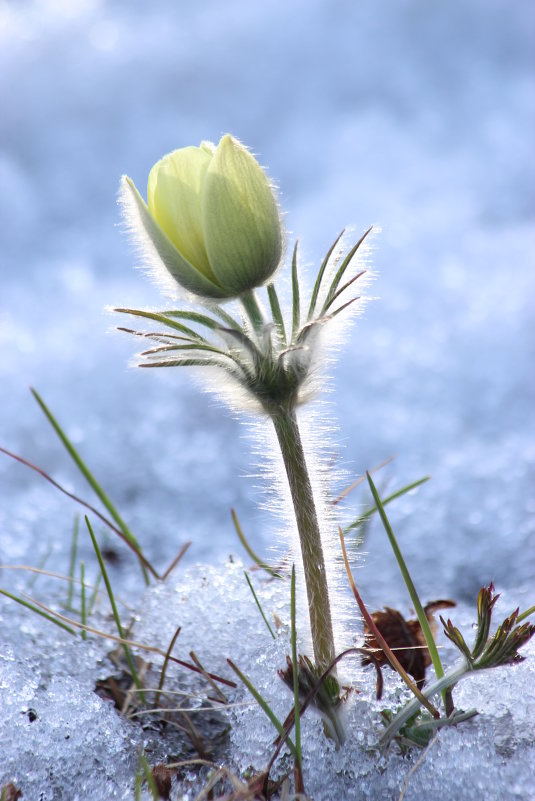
211	218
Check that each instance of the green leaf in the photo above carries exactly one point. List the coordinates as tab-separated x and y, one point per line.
227	318
161	318
343	288
187	363
341	270
321	273
276	312
192	317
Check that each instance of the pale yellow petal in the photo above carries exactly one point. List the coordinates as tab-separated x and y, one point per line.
174	200
161	255
241	223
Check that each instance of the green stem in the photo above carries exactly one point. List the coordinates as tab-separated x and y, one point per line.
287	430
252	308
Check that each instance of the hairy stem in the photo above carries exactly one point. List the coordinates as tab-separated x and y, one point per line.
287	430
252	308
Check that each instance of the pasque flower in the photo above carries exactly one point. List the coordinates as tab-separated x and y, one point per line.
211	218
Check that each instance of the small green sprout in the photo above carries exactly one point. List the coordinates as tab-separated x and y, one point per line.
500	649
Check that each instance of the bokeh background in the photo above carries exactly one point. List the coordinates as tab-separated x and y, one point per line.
417	117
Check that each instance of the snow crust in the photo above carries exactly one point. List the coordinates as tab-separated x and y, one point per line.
77	746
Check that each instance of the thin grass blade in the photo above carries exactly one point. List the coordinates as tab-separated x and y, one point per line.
149	778
397	494
422	619
263	704
164	666
392	658
259	605
296	301
72	561
83	606
84	470
115	611
94	595
256	559
38	611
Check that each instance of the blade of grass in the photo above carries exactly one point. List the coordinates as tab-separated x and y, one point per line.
256	559
149	778
221	696
164	666
295	670
38	611
83	615
397	494
422	618
54	617
42	562
62	577
380	639
86	505
72	561
296	302
95	486
360	480
258	604
176	560
263	704
115	611
94	595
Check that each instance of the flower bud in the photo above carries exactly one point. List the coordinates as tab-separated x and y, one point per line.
211	218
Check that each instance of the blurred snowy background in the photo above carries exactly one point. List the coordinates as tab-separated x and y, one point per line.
417	117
